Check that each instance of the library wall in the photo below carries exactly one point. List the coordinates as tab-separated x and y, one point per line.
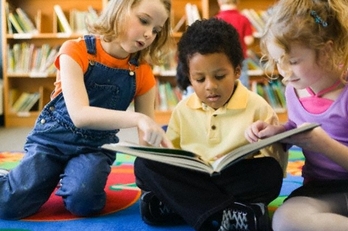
50	32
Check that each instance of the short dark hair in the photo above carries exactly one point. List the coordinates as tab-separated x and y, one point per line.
207	36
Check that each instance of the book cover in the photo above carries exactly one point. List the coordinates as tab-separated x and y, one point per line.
9	24
192	13
193	161
18	104
62	20
16	25
27	23
30	102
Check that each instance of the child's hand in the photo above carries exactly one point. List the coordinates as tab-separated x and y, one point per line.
261	129
152	133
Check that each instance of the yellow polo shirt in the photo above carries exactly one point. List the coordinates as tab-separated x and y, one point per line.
203	130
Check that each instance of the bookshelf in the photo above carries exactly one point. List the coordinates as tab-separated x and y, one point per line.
45	19
208	9
48	32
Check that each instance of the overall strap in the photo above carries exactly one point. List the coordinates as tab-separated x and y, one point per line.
135	60
90	44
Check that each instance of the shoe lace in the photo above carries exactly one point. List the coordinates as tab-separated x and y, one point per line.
234	220
164	209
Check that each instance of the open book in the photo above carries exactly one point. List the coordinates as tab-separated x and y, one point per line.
193	161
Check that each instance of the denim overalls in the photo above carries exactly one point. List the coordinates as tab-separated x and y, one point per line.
56	149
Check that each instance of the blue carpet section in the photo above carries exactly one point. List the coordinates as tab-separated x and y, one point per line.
125	220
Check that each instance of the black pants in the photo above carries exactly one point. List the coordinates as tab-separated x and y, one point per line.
198	197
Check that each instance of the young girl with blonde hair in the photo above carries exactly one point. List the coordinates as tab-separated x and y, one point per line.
98	77
307	41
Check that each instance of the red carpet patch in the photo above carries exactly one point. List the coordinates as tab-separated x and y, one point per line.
120	189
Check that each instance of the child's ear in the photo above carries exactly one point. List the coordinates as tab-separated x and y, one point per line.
326	52
238	71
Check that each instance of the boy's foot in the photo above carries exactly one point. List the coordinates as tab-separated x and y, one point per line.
154	212
3	172
248	217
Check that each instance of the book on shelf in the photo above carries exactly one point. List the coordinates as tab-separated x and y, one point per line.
63	23
257	21
27	58
15	23
28	25
193	161
279	90
272	92
80	19
167	96
20	101
9	24
18	21
25	102
192	13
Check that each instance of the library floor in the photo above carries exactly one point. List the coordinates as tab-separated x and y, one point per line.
13	139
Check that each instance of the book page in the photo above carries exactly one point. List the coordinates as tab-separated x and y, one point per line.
252	148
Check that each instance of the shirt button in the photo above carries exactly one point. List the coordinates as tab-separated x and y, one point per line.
213	127
42	121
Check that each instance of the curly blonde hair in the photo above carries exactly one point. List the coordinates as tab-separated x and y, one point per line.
110	25
311	23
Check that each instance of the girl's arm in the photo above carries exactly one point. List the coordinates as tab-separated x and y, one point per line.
319	141
145	104
88	117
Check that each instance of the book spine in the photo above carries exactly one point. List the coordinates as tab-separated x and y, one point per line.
27	23
15	23
63	21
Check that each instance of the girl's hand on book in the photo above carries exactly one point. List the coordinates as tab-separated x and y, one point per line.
152	133
252	133
261	129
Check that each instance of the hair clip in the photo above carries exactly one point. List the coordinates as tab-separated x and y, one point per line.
318	19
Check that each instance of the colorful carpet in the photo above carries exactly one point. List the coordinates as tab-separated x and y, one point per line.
122	210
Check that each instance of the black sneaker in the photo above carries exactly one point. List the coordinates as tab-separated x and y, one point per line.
3	172
246	217
154	212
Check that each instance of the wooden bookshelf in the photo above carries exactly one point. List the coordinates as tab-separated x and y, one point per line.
41	13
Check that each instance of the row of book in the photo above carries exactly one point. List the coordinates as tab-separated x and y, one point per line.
18	21
190	16
25	102
167	96
78	20
257	18
273	92
168	66
27	58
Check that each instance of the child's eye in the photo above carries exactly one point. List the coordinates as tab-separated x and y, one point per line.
200	80
156	31
220	77
143	21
